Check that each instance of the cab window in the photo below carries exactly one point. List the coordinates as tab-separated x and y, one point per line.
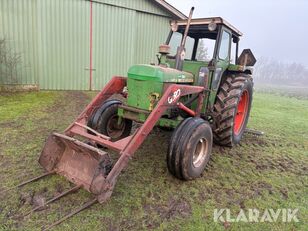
205	50
175	41
224	46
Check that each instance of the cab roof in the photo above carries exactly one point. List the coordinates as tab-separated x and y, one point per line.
206	21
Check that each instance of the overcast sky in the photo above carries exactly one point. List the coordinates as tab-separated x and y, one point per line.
272	28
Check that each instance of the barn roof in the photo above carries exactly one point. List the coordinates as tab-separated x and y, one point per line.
171	9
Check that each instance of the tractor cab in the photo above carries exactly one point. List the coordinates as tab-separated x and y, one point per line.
198	52
211	44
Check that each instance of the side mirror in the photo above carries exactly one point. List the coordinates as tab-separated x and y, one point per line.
246	58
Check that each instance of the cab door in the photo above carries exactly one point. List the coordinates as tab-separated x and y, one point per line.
221	62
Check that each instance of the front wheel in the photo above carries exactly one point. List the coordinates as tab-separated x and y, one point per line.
190	149
232	108
107	122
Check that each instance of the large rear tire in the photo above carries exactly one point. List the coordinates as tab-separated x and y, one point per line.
190	149
232	109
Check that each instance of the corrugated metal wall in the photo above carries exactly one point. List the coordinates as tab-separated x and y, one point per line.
151	31
113	42
19	31
53	39
63	31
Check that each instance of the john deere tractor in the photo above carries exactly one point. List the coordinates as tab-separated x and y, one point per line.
200	89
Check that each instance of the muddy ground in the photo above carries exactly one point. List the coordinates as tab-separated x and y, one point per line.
269	171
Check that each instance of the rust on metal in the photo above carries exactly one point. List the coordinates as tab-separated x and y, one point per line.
201	98
77	161
186	109
134	109
92	130
114	86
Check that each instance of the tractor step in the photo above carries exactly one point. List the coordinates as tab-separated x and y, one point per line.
254	132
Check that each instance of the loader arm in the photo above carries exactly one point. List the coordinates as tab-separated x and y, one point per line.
83	164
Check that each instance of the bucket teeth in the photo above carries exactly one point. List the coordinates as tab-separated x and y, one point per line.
78	210
28	181
54	199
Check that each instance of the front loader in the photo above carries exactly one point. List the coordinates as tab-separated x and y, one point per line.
197	89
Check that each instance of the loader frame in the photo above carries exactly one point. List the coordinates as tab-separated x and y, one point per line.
126	147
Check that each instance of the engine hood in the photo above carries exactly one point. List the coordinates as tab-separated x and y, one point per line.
159	74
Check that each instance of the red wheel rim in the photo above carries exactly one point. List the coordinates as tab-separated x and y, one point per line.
241	112
114	129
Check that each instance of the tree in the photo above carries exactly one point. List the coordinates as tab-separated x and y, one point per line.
9	61
202	52
280	73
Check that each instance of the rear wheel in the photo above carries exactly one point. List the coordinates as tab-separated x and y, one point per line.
190	149
232	108
106	121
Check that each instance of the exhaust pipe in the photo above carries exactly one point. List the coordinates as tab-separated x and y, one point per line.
180	55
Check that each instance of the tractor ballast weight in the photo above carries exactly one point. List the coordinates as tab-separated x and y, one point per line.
204	101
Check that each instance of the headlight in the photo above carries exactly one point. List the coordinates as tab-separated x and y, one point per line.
174	26
212	26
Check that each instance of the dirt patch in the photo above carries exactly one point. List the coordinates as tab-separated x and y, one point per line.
72	102
284	193
266	141
260	187
32	198
281	164
174	208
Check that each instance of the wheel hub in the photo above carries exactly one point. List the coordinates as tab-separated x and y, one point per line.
114	128
200	152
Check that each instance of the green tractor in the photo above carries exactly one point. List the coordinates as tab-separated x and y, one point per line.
197	52
199	89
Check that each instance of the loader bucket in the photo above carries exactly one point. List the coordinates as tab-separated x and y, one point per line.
80	163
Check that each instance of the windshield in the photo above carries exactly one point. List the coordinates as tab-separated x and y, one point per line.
205	48
175	42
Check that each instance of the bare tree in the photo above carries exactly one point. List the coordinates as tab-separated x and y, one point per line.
202	52
280	73
9	61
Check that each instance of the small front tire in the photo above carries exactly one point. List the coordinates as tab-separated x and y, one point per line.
107	122
190	149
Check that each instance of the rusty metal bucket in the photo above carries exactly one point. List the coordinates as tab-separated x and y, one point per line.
80	163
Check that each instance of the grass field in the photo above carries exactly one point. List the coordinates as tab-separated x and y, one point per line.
264	172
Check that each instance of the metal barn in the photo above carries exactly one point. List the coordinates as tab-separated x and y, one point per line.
79	44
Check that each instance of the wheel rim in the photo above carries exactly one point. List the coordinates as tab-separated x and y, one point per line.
114	129
242	109
200	152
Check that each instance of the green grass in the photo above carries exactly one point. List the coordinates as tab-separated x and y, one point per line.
263	172
14	107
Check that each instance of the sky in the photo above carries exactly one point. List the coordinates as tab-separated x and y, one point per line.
275	29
